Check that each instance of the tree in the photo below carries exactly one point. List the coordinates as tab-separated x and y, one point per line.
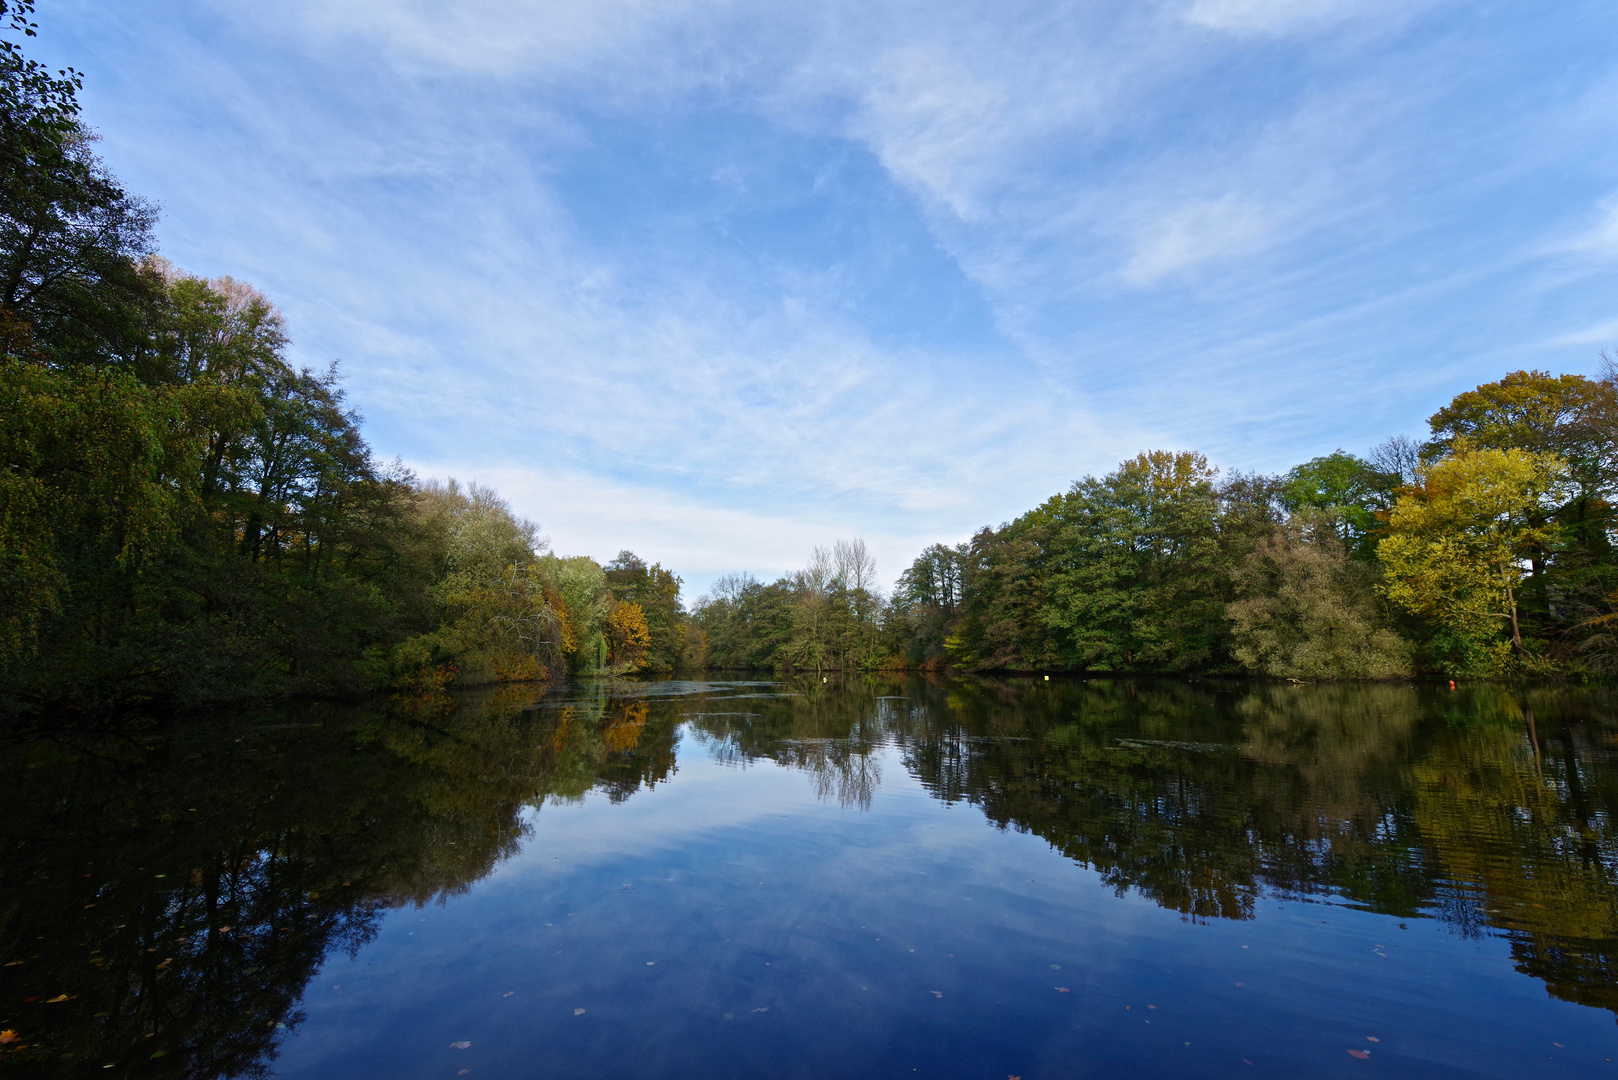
627	636
1134	580
927	600
1305	610
71	239
1576	419
1565	415
1457	542
656	592
1350	489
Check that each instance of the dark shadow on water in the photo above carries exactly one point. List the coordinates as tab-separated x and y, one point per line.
166	893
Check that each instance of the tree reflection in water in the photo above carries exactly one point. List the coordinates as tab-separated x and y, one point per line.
182	883
1414	802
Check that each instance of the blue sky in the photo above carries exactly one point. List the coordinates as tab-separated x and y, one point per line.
718	281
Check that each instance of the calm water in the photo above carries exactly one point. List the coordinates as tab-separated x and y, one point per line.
858	878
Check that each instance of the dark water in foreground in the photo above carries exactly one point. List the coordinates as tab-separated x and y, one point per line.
859	878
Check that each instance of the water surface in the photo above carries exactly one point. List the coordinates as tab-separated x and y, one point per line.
862	877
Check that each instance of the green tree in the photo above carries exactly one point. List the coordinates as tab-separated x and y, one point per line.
1304	609
1352	490
1134	581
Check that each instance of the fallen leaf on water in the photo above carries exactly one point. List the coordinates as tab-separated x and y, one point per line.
508	993
459	1045
764	1009
1361	1054
936	993
14	963
1151	1006
1558	1045
1063	990
463	1072
60	997
7	1036
1240	984
1373	1038
578	1012
165	963
1244	1060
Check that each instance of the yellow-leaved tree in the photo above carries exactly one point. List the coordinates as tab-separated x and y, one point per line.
1457	542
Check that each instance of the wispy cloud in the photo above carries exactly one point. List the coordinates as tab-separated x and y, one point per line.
1275	17
726	278
1194	234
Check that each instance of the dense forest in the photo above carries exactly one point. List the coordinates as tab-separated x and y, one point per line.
186	516
1485	551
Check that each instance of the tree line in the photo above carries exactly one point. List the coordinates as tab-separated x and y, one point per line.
1486	550
186	515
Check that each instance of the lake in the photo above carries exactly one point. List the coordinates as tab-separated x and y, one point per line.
894	877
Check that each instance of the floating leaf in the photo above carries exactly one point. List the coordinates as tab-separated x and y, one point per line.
459	1045
578	1012
1361	1054
508	993
936	993
14	963
1063	990
1373	1038
1244	1060
8	1036
60	997
764	1009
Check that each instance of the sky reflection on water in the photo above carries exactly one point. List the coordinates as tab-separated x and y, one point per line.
865	877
